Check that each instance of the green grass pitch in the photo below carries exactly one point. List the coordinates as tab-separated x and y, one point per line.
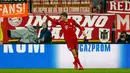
64	71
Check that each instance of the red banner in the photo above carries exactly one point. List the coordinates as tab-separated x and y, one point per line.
118	6
98	27
122	24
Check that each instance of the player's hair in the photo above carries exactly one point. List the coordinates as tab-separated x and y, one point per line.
64	14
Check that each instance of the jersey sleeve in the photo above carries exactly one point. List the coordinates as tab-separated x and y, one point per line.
52	20
81	28
77	25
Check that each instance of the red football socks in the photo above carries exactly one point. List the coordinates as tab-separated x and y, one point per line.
77	60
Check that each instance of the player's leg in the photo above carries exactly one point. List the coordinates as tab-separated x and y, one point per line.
76	50
70	46
75	62
76	58
75	42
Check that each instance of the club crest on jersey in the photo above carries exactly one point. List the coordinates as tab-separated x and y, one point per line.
70	23
104	35
66	26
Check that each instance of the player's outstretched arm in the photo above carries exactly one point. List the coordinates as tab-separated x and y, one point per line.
52	20
77	25
81	29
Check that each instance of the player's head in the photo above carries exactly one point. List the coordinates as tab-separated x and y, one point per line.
45	25
63	16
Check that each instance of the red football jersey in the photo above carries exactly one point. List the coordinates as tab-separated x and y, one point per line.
68	28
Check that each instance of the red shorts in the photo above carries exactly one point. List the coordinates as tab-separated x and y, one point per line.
72	44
